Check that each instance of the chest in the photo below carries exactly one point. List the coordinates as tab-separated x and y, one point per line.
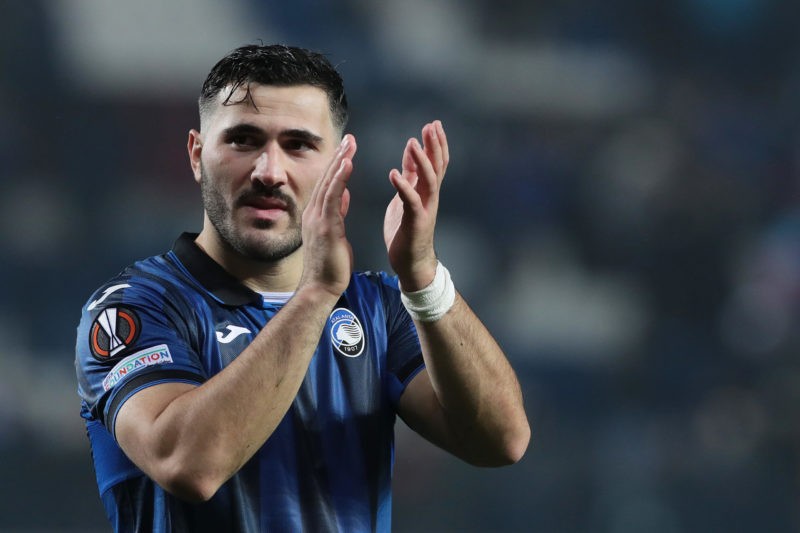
346	375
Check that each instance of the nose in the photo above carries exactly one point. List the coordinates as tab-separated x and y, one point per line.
268	168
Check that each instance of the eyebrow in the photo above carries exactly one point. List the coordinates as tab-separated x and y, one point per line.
303	135
242	129
294	133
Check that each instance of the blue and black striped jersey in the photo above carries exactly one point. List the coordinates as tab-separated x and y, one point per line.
181	317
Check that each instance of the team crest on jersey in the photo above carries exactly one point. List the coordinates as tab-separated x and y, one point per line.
347	335
114	330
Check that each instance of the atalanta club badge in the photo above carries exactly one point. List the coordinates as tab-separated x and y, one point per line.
347	335
114	330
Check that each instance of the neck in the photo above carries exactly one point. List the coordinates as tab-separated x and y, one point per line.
282	275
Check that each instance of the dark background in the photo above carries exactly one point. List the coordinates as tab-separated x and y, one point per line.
622	208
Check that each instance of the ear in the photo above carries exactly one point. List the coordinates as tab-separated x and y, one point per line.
195	147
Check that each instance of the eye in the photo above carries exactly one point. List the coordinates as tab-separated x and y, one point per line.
298	145
242	140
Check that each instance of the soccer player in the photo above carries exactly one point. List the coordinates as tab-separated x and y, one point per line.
248	379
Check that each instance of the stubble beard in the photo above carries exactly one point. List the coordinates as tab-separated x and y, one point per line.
252	244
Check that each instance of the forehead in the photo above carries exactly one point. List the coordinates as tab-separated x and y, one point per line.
296	106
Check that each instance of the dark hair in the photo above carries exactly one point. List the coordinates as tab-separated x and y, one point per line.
277	65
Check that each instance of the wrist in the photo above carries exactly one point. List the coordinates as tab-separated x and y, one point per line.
318	293
433	301
418	276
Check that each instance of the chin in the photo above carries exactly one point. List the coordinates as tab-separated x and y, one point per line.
266	246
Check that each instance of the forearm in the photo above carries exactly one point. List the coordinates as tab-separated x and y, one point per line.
205	435
468	400
475	387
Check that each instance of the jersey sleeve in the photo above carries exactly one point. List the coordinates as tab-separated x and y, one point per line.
133	333
403	352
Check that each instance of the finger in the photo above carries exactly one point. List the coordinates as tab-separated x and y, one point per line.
314	199
407	193
349	150
346	149
440	134
428	184
345	205
409	167
433	147
311	206
408	162
332	203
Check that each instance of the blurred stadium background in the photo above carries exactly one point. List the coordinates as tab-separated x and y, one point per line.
622	207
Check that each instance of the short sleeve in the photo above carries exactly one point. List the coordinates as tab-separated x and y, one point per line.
403	350
133	334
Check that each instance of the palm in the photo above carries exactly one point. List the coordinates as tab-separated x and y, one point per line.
410	218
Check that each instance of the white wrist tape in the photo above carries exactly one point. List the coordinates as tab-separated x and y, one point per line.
432	302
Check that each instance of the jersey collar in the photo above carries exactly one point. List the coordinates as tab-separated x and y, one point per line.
211	275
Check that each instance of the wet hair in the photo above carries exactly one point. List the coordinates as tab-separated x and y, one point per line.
276	65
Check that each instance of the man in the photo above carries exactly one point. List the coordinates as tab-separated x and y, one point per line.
248	380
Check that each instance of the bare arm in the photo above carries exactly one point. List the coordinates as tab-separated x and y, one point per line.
468	401
191	439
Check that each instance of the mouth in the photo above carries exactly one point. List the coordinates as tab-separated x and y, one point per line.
265	204
265	208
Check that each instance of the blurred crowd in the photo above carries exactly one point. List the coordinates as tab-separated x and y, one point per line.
622	208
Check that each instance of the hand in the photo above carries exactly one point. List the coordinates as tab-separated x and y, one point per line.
328	256
411	215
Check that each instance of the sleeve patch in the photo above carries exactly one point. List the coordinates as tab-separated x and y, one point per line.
114	330
157	355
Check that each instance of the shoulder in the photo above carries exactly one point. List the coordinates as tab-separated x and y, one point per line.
150	280
142	318
148	295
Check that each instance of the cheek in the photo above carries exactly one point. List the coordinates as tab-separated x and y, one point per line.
226	174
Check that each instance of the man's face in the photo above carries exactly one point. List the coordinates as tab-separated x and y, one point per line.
258	165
